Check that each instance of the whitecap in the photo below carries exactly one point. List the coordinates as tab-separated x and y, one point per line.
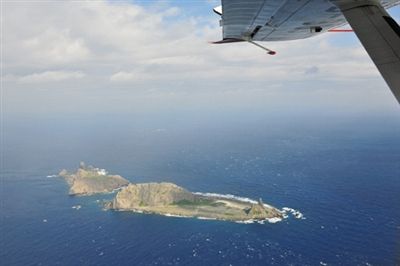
295	213
246	222
226	196
205	218
274	220
175	215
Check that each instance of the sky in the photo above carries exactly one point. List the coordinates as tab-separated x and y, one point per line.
122	57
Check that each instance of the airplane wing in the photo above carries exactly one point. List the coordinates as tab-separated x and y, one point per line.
278	20
380	35
282	20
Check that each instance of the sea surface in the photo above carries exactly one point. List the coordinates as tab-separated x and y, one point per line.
342	173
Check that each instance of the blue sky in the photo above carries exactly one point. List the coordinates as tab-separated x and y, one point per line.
128	57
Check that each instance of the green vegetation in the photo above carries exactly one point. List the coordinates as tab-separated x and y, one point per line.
197	202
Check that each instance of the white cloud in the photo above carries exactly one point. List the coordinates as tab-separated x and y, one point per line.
51	76
120	44
123	76
56	46
172	12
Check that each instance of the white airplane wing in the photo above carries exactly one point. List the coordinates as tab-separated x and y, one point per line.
282	20
380	35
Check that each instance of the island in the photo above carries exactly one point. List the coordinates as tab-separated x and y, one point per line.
89	180
171	200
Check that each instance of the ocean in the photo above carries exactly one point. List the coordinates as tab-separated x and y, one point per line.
342	173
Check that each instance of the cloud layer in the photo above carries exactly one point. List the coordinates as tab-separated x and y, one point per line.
135	51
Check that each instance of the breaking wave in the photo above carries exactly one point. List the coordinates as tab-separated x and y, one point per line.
226	196
295	213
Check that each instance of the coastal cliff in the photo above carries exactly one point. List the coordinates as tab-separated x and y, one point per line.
89	180
150	195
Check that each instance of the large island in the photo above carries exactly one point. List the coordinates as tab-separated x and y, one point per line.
171	200
166	198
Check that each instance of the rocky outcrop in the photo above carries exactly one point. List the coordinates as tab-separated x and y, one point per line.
257	210
90	180
150	195
260	211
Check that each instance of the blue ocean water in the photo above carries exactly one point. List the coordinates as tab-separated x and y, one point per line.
342	173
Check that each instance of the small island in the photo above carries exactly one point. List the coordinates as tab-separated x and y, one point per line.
89	180
168	199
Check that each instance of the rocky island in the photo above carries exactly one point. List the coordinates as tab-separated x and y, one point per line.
171	200
89	180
